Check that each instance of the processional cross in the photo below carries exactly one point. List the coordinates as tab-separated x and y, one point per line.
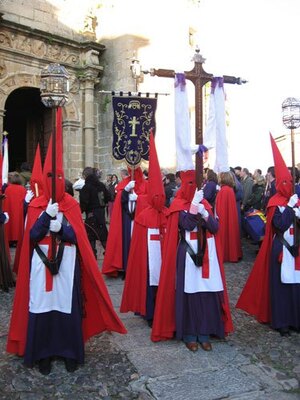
199	77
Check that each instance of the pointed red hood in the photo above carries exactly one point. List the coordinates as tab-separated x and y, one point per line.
284	182
156	193
36	179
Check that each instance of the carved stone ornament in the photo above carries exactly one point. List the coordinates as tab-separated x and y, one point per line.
3	69
39	48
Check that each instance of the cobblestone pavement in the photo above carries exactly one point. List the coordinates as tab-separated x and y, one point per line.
258	342
108	373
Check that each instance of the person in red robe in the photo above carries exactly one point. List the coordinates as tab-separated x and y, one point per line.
36	190
192	301
13	204
6	277
144	260
57	306
130	200
272	291
226	212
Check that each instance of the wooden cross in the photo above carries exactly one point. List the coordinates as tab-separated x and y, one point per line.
199	77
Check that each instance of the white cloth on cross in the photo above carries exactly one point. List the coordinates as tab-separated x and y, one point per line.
215	133
182	126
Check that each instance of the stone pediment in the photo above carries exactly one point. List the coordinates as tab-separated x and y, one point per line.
20	41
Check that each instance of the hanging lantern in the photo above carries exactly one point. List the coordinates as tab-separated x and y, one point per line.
54	86
291	113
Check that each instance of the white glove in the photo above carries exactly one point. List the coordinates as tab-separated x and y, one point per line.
78	185
297	212
202	210
198	197
6	217
55	225
52	209
129	186
293	200
29	195
133	196
218	188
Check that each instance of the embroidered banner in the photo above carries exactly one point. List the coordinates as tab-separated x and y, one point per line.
133	119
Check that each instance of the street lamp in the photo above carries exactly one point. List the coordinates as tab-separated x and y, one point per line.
54	93
291	120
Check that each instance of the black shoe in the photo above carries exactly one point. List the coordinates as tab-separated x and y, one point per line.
70	364
284	332
45	366
122	274
150	322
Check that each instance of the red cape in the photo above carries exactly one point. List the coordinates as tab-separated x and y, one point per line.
100	315
113	261
164	325
229	231
13	205
255	296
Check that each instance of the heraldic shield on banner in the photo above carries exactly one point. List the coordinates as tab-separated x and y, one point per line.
133	119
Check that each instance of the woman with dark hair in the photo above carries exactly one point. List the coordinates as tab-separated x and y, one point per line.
69	187
111	183
210	188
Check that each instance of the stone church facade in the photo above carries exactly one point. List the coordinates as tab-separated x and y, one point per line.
31	37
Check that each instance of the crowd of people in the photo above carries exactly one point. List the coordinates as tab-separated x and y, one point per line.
166	238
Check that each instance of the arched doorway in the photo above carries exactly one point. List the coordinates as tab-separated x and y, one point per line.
28	122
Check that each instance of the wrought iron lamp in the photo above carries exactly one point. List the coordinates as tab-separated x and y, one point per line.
291	113
291	120
54	86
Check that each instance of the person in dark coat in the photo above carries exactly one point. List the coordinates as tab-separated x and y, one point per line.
256	199
270	188
238	192
211	187
93	199
170	188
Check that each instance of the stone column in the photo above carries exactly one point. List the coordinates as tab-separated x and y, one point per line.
89	119
2	113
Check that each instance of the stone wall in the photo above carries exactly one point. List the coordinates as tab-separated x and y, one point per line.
95	41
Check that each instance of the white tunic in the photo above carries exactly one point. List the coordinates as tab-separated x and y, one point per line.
289	274
193	281
154	256
60	297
